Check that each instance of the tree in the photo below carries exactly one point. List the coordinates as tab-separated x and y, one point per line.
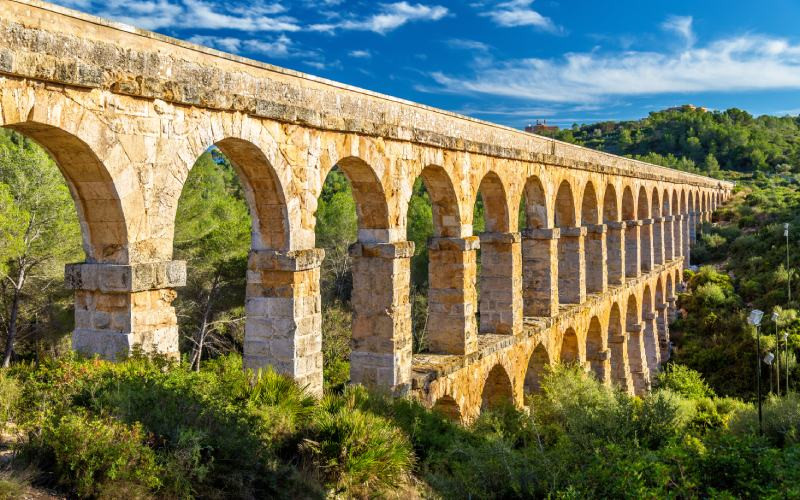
43	234
212	233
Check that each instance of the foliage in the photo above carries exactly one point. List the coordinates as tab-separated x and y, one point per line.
212	234
684	381
39	233
697	140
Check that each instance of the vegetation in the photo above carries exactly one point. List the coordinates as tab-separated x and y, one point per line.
145	428
698	140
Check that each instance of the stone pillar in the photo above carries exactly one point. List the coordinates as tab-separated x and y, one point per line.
693	225
284	315
501	283
669	238
673	307
620	371
540	272
451	296
662	324
381	344
615	242
596	269
646	251
687	229
119	307
636	359
677	233
652	348
571	266
658	241
633	260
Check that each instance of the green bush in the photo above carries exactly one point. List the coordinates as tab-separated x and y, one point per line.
358	452
781	420
684	381
10	393
94	455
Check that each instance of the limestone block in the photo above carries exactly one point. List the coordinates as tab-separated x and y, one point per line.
540	272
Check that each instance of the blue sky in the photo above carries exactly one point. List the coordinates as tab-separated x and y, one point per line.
511	61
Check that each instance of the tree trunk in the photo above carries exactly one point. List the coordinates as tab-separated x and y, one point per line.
197	351
12	328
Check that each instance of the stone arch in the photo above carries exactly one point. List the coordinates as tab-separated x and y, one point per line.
448	408
677	231
537	215
594	268
371	203
646	230
595	352
497	389
589	205
655	204
536	366
571	281
570	352
264	196
498	289
444	202
651	345
611	211
636	361
495	203
668	287
628	204
615	237
633	263
564	210
618	350
95	190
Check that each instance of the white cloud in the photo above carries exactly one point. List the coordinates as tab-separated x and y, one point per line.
743	63
193	14
360	54
391	17
460	43
682	25
281	47
515	13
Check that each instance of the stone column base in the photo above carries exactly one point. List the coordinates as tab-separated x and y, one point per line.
501	283
122	307
596	255
452	296
382	337
284	315
615	244
540	272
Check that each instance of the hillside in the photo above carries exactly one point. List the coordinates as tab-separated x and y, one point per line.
694	139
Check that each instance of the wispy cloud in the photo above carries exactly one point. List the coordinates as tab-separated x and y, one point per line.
682	25
513	13
193	14
390	17
360	54
280	47
461	43
741	63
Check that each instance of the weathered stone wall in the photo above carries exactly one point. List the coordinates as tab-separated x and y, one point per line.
125	114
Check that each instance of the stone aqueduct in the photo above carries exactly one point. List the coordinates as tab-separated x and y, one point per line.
125	113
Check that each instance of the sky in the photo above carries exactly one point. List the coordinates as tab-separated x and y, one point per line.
510	61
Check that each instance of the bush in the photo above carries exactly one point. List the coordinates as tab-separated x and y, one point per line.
357	452
781	420
684	381
94	455
10	393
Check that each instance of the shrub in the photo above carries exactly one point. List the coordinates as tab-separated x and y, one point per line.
684	381
10	393
357	452
95	455
781	420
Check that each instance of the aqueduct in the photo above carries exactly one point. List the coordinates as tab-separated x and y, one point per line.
590	278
